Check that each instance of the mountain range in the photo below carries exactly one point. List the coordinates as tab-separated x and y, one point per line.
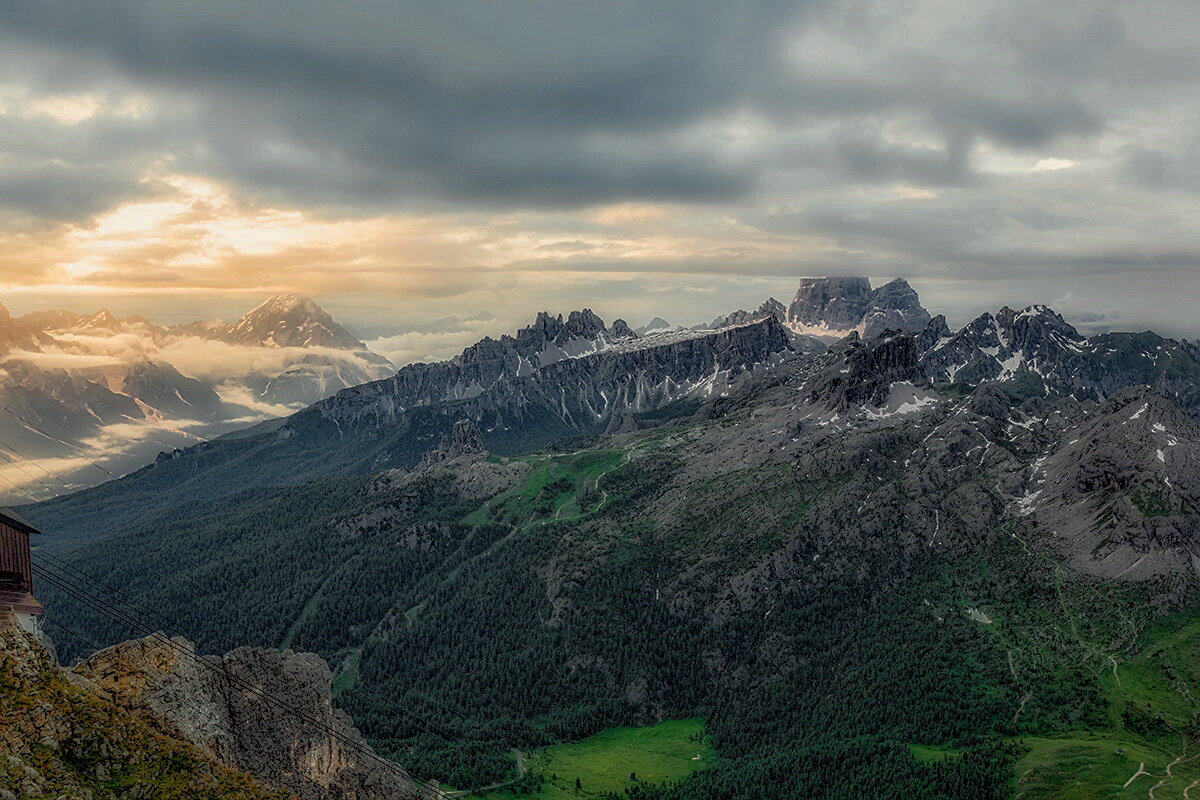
827	309
908	561
77	388
82	388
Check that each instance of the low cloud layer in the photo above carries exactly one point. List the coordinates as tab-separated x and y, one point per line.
470	154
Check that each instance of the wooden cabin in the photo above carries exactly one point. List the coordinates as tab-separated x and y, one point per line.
16	566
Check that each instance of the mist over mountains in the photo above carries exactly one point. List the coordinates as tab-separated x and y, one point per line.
82	388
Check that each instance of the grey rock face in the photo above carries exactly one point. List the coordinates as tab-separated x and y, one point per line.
575	393
894	306
463	440
835	306
655	325
265	712
864	372
1120	493
620	330
832	307
1034	340
1038	347
932	334
770	308
540	355
837	303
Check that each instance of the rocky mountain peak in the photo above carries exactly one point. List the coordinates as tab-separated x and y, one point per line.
545	321
284	303
837	304
584	323
769	308
291	321
620	329
936	331
894	306
1033	325
548	340
832	307
102	320
774	308
997	347
655	325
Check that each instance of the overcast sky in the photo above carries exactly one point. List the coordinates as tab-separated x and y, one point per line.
409	160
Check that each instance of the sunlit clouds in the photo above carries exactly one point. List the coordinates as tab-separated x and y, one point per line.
196	234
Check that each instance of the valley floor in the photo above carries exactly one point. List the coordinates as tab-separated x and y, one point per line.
607	762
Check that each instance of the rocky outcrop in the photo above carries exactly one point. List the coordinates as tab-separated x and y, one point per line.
655	325
1039	348
62	737
577	393
865	372
620	330
770	308
894	306
835	304
266	713
463	440
996	347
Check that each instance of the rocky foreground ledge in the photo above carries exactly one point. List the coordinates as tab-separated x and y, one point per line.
150	717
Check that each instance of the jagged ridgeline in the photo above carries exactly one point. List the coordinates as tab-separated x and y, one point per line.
557	379
922	564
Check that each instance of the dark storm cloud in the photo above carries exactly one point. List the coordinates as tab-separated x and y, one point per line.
1157	169
539	102
57	192
533	102
866	157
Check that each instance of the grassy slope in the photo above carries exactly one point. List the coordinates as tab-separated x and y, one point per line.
1151	700
662	753
558	488
928	754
